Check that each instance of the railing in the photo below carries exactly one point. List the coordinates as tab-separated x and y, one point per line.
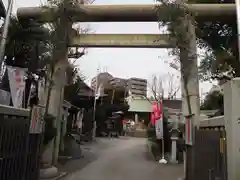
19	150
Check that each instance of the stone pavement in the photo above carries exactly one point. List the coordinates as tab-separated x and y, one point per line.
90	151
124	158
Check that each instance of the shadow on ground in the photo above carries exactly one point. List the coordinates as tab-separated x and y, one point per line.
90	153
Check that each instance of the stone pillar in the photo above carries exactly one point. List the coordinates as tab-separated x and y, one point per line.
232	126
174	138
173	159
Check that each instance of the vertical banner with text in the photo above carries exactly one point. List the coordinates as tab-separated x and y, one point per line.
37	120
189	130
16	78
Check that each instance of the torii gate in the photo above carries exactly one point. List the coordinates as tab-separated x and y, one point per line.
129	13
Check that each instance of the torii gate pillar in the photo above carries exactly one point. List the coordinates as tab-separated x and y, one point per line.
190	89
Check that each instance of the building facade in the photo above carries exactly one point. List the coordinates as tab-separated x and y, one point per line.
137	87
119	83
102	78
131	87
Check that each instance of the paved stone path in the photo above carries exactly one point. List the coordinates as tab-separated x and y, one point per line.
125	159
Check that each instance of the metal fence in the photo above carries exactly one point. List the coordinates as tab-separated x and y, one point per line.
19	150
209	159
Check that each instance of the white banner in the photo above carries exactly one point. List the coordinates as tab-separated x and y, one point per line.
41	91
37	121
80	119
99	92
159	128
17	85
31	92
158	106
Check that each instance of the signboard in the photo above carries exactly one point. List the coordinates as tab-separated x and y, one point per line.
37	120
189	130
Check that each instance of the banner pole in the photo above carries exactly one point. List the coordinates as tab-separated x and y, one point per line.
162	160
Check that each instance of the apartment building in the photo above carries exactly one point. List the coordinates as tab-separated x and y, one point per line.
134	86
119	83
137	87
102	78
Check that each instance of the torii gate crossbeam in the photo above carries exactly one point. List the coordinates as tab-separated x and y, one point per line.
121	41
125	13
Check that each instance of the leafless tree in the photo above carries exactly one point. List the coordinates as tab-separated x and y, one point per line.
164	86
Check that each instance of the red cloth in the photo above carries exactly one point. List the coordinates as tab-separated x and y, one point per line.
156	112
124	122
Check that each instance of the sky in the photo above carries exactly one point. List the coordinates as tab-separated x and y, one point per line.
125	62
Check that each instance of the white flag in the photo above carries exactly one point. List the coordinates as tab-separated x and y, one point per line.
159	128
37	122
17	84
99	92
41	91
159	120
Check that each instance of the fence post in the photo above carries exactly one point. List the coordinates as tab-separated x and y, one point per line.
232	126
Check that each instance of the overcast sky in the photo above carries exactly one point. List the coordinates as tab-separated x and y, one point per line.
124	63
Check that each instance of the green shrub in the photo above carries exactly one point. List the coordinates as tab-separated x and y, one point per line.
151	133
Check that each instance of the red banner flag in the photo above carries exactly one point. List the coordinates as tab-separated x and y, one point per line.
157	115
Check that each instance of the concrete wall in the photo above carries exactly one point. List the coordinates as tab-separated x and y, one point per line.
9	110
213	122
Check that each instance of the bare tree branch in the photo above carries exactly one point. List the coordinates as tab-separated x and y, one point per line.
159	84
